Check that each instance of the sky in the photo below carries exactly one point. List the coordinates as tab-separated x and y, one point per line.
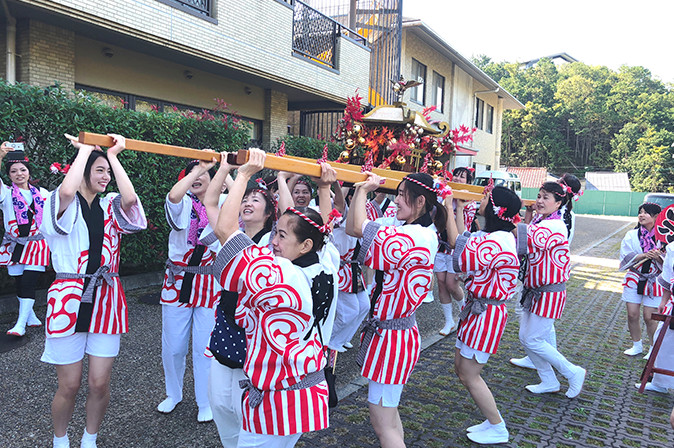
595	32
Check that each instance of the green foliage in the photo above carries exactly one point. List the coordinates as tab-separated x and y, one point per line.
308	147
40	117
581	118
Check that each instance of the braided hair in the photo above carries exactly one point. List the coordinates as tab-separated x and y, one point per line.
413	191
574	184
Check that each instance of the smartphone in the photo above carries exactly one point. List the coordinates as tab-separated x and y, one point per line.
18	146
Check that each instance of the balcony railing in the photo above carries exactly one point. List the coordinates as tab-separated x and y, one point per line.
197	7
315	34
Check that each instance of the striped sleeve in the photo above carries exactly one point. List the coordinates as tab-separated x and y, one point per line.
131	221
231	263
52	225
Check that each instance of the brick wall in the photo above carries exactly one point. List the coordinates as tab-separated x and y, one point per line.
275	116
46	54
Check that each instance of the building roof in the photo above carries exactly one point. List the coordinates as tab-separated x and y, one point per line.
530	177
552	57
435	41
607	181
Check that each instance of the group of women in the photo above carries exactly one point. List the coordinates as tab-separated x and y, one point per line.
269	292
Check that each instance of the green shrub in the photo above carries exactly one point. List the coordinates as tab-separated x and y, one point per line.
40	117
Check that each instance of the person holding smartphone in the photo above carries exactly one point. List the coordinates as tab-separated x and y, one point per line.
23	249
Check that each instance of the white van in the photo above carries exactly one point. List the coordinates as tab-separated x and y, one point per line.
501	179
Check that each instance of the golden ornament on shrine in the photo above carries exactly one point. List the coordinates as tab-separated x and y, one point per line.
400	160
437	165
344	156
438	152
349	144
361	140
357	128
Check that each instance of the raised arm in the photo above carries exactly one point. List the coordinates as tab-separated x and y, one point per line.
212	195
452	227
285	199
126	190
181	187
357	213
228	217
340	201
328	177
71	183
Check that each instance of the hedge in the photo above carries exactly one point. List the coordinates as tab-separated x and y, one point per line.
39	117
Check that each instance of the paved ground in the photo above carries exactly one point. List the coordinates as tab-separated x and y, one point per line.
435	408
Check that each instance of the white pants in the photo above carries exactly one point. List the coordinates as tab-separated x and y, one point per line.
351	310
224	394
665	358
175	337
250	440
534	335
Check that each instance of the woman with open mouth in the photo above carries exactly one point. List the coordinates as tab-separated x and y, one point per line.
86	306
190	292
23	250
284	304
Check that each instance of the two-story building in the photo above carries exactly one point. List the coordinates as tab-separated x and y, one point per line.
461	92
262	57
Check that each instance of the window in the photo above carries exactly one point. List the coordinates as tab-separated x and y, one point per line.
418	93
438	91
120	100
490	119
479	113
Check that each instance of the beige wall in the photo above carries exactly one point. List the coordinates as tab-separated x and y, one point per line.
139	74
413	47
252	36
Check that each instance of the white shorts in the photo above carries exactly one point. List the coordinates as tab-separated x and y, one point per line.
15	270
630	295
251	440
469	353
387	394
443	263
71	349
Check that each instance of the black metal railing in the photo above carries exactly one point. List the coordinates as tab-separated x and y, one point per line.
204	7
315	34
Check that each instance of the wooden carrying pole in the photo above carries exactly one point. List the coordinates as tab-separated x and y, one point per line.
345	173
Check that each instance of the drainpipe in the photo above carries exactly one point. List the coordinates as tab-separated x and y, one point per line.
10	62
496	90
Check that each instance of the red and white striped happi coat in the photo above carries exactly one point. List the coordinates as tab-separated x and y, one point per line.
205	287
629	249
275	308
549	263
490	260
35	253
405	254
69	239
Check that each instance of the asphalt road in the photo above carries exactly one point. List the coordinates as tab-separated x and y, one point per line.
27	385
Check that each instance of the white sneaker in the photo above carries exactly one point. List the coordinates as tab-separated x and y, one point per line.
429	298
493	434
348	345
479	427
648	355
636	349
61	442
576	383
205	415
542	388
525	362
652	387
167	406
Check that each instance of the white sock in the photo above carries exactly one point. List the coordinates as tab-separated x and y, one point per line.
638	344
88	440
61	442
447	309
